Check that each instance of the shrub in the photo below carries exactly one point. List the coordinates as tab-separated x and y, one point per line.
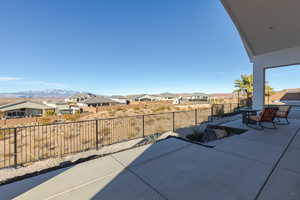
160	108
50	113
119	109
72	117
111	113
44	121
136	108
1	134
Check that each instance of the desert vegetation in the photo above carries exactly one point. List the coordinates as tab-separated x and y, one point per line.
54	136
51	140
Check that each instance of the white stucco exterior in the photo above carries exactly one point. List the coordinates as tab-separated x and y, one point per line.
269	30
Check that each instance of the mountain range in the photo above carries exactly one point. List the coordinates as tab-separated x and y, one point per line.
49	93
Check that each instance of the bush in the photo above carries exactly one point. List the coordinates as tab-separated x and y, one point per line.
159	108
44	121
1	134
72	117
50	113
119	109
136	108
111	113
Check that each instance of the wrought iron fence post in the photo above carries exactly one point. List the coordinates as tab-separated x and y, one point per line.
173	121
97	138
238	100
15	148
196	116
211	112
143	118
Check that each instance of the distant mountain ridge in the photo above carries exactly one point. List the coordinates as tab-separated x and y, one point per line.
49	93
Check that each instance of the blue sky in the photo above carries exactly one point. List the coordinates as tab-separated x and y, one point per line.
121	47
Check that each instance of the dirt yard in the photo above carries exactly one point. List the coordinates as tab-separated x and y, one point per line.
44	141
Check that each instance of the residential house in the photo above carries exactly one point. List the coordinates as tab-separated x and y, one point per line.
196	96
148	97
98	101
290	98
167	96
61	107
80	97
142	97
192	98
24	109
120	99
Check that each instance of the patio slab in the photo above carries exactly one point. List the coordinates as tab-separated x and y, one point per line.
199	173
120	186
265	153
237	168
281	130
296	142
283	184
73	177
13	190
143	154
291	160
280	136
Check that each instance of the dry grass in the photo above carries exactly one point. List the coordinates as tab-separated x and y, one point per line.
39	142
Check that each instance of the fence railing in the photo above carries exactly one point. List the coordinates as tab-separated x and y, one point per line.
21	145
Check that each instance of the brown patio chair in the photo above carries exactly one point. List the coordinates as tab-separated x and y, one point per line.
267	116
283	113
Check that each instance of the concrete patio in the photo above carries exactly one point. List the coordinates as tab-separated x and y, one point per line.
254	165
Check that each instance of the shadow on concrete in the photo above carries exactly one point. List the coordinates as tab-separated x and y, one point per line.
129	185
15	189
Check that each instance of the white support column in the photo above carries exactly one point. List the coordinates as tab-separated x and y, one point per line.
258	86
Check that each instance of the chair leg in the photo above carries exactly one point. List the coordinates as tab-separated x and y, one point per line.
258	126
261	126
279	122
287	121
274	125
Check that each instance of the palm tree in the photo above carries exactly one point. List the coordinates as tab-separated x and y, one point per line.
269	91
245	84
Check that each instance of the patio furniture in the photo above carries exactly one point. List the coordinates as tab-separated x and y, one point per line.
246	113
267	116
283	113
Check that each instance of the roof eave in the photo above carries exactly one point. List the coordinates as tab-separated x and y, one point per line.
247	46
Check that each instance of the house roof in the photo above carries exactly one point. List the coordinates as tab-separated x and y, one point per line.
266	26
291	96
148	96
277	96
24	104
135	96
99	99
167	94
57	102
81	94
118	97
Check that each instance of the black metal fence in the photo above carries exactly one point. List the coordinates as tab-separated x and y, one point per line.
28	144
